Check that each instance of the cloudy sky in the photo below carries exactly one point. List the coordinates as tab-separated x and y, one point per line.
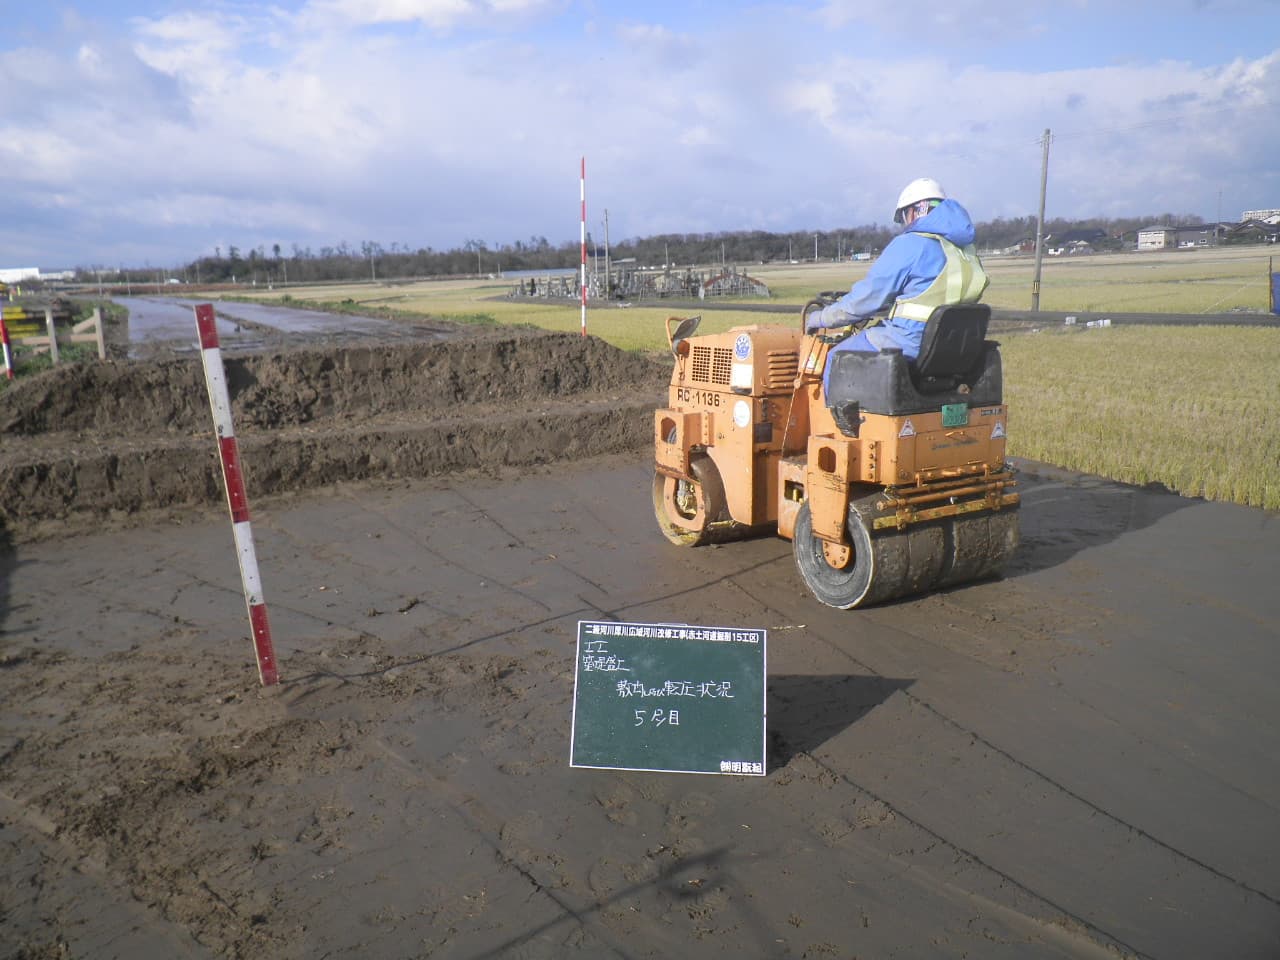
149	132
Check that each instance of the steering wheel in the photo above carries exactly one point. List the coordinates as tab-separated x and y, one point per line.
807	309
836	334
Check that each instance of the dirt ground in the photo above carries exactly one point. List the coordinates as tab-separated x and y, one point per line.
1077	760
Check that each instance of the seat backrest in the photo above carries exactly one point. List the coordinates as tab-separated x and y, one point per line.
952	341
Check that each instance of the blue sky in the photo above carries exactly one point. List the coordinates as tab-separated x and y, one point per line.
150	132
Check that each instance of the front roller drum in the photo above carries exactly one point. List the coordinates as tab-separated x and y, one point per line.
899	563
693	511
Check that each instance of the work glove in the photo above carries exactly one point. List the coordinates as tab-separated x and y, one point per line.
813	321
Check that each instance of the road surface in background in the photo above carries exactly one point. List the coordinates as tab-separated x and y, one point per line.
170	321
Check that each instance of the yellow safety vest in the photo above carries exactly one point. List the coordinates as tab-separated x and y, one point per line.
962	280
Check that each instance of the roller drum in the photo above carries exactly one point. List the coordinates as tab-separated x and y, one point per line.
921	558
941	553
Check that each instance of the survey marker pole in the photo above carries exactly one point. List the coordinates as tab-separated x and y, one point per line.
8	350
582	195
237	502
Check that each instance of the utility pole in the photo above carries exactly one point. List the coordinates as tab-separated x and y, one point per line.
606	254
815	248
1044	182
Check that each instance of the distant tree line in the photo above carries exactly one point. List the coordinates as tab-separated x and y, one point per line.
373	261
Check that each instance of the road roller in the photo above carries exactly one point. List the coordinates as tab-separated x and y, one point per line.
887	475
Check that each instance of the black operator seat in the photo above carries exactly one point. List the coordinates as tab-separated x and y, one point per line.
952	344
956	364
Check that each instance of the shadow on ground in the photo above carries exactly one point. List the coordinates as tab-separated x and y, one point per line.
1064	512
807	711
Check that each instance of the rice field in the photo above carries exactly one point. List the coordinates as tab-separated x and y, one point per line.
636	328
1201	281
1196	409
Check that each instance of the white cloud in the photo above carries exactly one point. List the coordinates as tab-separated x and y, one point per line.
254	125
921	25
439	15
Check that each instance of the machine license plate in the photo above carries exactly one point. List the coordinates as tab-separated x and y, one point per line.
955	414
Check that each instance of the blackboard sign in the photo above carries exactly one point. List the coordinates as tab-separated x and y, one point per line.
669	697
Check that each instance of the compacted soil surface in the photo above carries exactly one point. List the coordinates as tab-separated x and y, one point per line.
1075	760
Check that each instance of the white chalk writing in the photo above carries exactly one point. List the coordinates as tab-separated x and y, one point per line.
596	656
658	718
677	688
661	632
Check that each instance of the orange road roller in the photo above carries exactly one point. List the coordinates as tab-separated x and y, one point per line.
888	476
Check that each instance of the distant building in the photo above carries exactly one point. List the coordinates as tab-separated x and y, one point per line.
1156	238
1072	242
18	274
1200	235
1254	231
1089	235
1266	216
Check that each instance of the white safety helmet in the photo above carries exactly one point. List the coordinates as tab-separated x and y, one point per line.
925	188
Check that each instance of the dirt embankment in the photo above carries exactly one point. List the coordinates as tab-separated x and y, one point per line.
106	441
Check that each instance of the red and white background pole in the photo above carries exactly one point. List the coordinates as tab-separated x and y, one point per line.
582	192
8	350
238	503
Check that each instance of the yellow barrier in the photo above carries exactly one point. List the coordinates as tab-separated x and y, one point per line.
25	331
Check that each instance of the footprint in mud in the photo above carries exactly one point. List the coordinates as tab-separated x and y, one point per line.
606	877
616	798
687	812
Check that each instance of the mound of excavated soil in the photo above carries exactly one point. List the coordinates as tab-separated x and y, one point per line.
109	440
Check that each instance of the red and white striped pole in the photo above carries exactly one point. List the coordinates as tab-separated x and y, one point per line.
582	190
8	351
228	452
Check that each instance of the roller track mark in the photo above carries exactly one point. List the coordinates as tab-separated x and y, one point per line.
1101	935
488	827
1067	791
523	543
288	536
426	547
1023	765
845	778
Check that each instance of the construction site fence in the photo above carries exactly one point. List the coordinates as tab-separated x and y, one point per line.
634	284
21	327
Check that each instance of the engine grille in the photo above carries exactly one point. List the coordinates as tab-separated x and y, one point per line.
782	368
711	364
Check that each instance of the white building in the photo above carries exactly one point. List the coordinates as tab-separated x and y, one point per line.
1156	238
1266	216
18	274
